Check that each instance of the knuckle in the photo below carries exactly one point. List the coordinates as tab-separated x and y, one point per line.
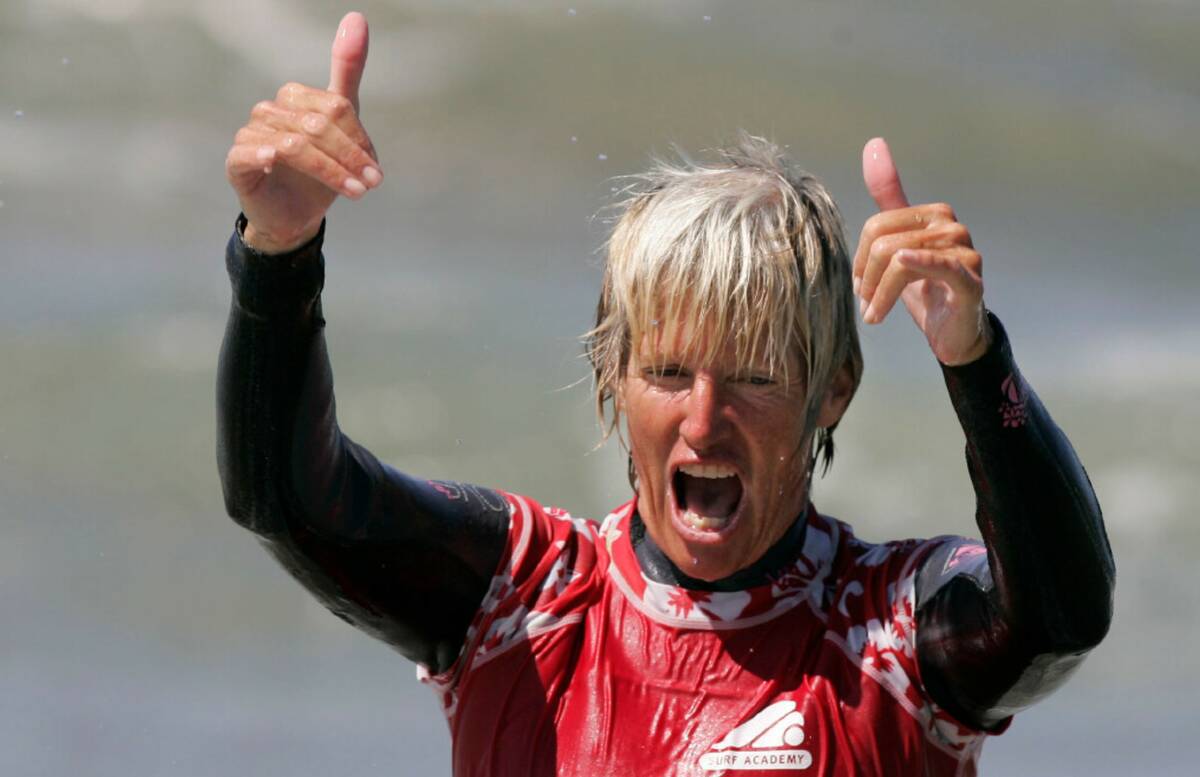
292	144
958	234
882	249
338	106
944	211
288	91
314	123
872	226
262	109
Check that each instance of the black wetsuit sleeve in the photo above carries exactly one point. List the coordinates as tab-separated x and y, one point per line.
404	559
997	631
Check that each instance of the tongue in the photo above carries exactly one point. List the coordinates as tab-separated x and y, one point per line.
711	497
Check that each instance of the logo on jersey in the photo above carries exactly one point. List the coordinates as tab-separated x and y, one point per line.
768	741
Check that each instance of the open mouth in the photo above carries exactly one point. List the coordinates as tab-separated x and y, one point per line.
707	496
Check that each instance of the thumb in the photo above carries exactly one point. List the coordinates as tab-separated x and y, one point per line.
879	173
349	57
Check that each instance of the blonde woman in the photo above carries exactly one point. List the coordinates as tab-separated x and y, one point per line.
717	621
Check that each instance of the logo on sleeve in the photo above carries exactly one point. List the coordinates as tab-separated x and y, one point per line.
768	741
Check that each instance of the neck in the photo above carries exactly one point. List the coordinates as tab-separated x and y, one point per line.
656	566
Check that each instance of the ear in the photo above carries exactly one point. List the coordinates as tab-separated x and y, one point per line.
837	399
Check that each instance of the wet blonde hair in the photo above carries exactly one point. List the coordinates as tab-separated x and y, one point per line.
745	252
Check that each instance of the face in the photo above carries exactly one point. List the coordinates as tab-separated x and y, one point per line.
718	451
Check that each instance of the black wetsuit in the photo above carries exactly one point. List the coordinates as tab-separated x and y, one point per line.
996	632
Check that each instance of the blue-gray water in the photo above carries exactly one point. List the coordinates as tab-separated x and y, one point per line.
146	634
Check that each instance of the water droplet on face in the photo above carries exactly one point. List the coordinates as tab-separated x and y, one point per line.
695	561
19	114
602	157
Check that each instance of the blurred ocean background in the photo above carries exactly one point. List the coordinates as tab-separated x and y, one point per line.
144	633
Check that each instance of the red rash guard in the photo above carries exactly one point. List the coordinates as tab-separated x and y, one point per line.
578	664
560	647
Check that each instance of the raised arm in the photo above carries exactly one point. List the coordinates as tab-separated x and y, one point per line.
1003	624
404	559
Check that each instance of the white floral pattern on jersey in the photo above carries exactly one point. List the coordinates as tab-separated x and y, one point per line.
803	581
881	640
525	597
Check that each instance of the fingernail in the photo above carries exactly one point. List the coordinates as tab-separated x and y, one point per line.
355	187
868	315
372	176
862	308
856	281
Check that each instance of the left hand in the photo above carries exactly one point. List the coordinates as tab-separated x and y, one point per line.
924	256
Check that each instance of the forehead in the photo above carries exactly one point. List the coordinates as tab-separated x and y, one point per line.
684	341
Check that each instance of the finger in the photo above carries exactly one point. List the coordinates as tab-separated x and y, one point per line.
339	109
943	265
900	220
951	266
893	282
879	258
959	267
324	133
881	252
881	177
246	164
348	57
297	152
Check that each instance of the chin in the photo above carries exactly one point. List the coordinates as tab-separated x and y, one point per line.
707	560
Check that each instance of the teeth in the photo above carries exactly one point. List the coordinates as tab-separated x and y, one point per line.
704	522
712	471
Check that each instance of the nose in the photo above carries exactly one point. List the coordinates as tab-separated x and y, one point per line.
704	419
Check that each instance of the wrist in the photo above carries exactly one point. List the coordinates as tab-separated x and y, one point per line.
983	343
273	285
270	244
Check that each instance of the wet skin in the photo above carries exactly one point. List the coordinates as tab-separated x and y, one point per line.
682	413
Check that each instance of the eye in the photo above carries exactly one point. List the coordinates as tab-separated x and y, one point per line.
756	379
663	372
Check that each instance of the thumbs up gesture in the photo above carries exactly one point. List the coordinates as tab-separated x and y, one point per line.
922	255
301	150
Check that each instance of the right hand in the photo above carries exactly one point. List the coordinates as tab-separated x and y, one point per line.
301	150
923	256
